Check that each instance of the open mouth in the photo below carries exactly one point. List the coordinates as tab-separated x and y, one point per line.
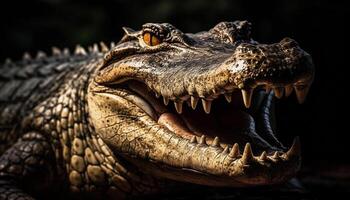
198	107
233	120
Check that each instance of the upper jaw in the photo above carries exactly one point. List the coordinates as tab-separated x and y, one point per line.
282	66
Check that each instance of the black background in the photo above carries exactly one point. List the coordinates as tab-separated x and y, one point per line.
318	26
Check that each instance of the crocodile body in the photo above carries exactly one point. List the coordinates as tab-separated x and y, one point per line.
92	122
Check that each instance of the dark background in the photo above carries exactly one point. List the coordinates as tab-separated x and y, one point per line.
318	26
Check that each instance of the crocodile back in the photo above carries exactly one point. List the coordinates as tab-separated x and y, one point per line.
26	83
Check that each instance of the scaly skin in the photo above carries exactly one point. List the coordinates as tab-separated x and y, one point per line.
86	123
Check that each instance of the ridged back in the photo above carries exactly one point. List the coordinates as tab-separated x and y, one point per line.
26	83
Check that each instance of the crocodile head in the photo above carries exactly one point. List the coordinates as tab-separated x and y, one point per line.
143	103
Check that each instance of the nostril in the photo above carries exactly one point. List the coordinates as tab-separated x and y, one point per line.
246	48
288	43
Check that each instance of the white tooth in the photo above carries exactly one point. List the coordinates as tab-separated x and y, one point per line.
206	105
247	156
216	142
301	92
228	97
56	51
66	52
27	56
95	48
112	45
194	101
295	149
234	151
104	47
288	90
165	100
79	50
278	92
202	140
193	139
178	106
40	55
247	96
275	156
263	156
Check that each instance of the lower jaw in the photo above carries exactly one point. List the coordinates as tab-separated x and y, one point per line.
228	172
189	175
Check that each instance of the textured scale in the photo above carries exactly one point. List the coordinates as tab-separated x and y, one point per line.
49	95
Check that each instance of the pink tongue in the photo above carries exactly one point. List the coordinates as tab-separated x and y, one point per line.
175	124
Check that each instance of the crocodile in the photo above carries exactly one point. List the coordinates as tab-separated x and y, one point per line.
116	121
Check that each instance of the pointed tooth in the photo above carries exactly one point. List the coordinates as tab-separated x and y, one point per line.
82	51
104	47
56	51
247	156
247	96
66	52
301	92
278	92
216	142
40	55
295	149
228	97
27	56
79	50
90	48
194	101
178	106
206	105
165	100
202	140
234	153
275	156
193	139
226	150
112	45
263	156
95	48
288	90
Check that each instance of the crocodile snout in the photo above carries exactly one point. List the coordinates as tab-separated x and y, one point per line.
274	65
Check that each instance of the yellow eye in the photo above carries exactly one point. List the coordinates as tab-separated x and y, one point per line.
150	39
